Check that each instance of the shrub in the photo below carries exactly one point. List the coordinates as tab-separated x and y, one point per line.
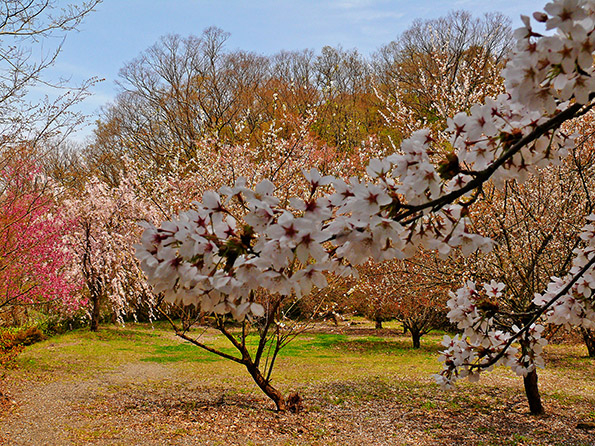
12	342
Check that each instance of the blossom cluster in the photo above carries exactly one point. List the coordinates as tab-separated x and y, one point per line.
210	258
567	301
574	307
34	257
101	238
484	344
548	69
492	128
543	75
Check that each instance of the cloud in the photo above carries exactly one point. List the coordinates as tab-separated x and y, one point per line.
365	11
99	99
350	5
371	16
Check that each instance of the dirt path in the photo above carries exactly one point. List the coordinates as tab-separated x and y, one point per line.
51	413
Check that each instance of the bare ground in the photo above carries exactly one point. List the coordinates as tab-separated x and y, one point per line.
150	404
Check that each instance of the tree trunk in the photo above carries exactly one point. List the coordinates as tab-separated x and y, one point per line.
589	338
378	324
532	392
266	387
95	311
252	365
416	338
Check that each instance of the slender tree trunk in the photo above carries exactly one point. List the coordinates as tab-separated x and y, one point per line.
416	338
532	392
589	338
92	280
252	365
95	311
266	387
378	324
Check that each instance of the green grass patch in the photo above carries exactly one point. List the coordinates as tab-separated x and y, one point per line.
316	357
179	353
310	358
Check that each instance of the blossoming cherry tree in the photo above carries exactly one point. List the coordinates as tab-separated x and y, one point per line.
240	240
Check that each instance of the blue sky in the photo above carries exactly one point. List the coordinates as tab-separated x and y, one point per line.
120	29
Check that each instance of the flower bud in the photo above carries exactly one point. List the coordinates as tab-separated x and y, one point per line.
540	16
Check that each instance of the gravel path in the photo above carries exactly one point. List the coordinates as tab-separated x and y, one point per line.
49	413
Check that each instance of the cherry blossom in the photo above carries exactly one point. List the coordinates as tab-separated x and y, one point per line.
248	238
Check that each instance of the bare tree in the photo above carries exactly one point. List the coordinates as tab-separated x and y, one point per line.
438	52
179	91
412	291
25	26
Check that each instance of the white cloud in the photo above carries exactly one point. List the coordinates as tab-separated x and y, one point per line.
370	16
350	5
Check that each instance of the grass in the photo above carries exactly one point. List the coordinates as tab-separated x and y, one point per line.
349	372
311	353
179	353
311	356
63	355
